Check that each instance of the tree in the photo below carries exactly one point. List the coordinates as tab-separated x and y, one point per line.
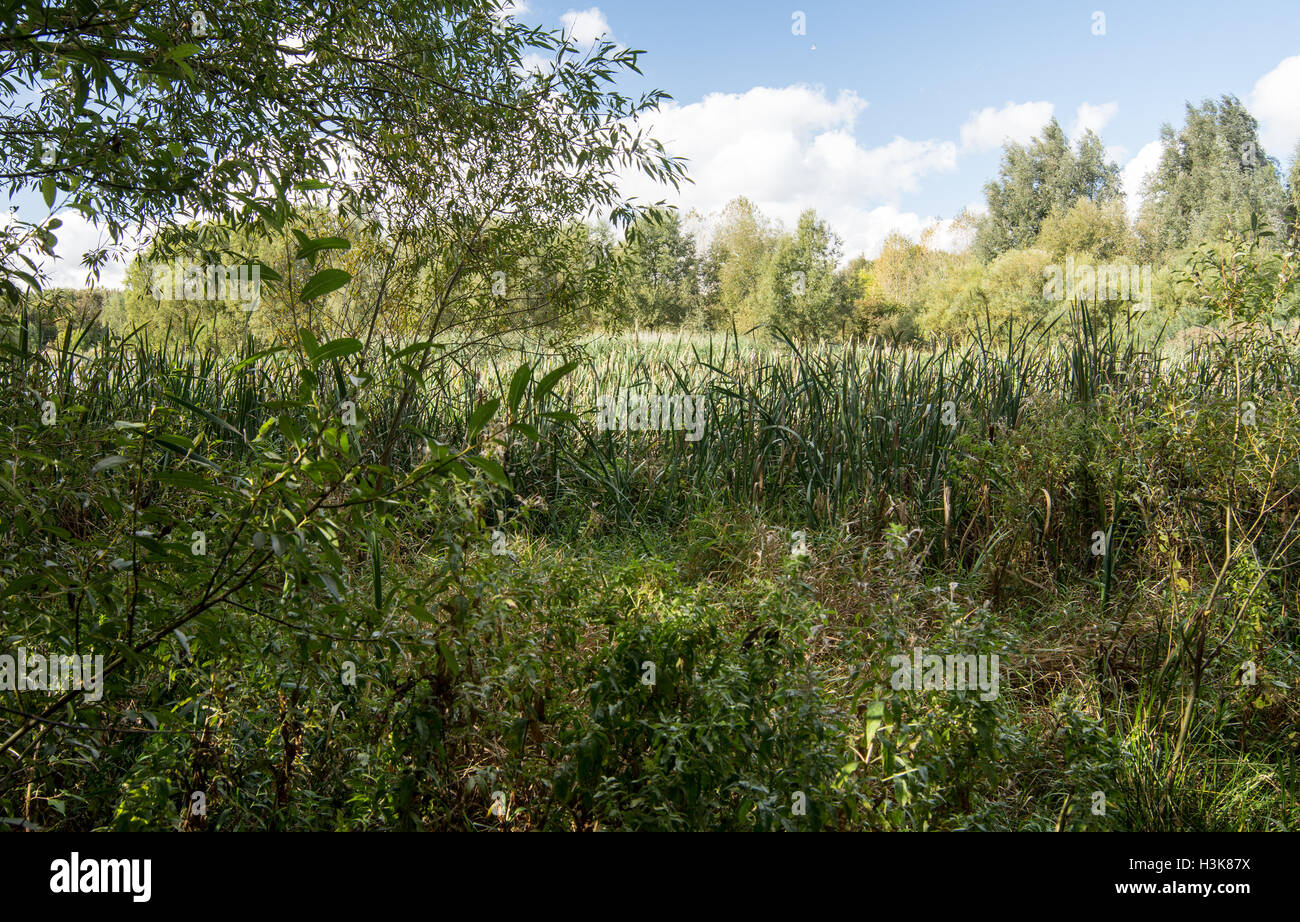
1036	180
1293	195
1212	176
135	111
1100	230
806	299
742	246
1293	178
899	270
171	288
709	314
476	163
861	294
662	271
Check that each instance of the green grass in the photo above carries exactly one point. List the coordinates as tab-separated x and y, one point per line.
521	674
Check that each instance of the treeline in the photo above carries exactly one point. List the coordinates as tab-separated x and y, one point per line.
1053	204
224	286
1055	211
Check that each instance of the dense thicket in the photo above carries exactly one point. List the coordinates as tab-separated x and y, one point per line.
356	551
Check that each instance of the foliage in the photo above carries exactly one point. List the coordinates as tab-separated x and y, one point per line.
1035	180
1212	177
237	114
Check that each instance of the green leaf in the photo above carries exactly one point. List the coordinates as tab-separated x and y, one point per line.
266	273
377	572
309	248
495	472
422	346
518	384
528	431
105	464
289	428
331	585
215	420
185	480
22	584
82	90
267	212
418	611
241	365
337	349
323	282
174	443
309	344
547	384
479	418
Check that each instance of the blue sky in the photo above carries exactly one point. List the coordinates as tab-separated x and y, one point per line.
890	116
952	80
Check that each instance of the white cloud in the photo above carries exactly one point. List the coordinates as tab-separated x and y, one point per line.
532	61
1135	172
791	148
1275	101
1090	117
586	27
76	238
990	128
865	231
